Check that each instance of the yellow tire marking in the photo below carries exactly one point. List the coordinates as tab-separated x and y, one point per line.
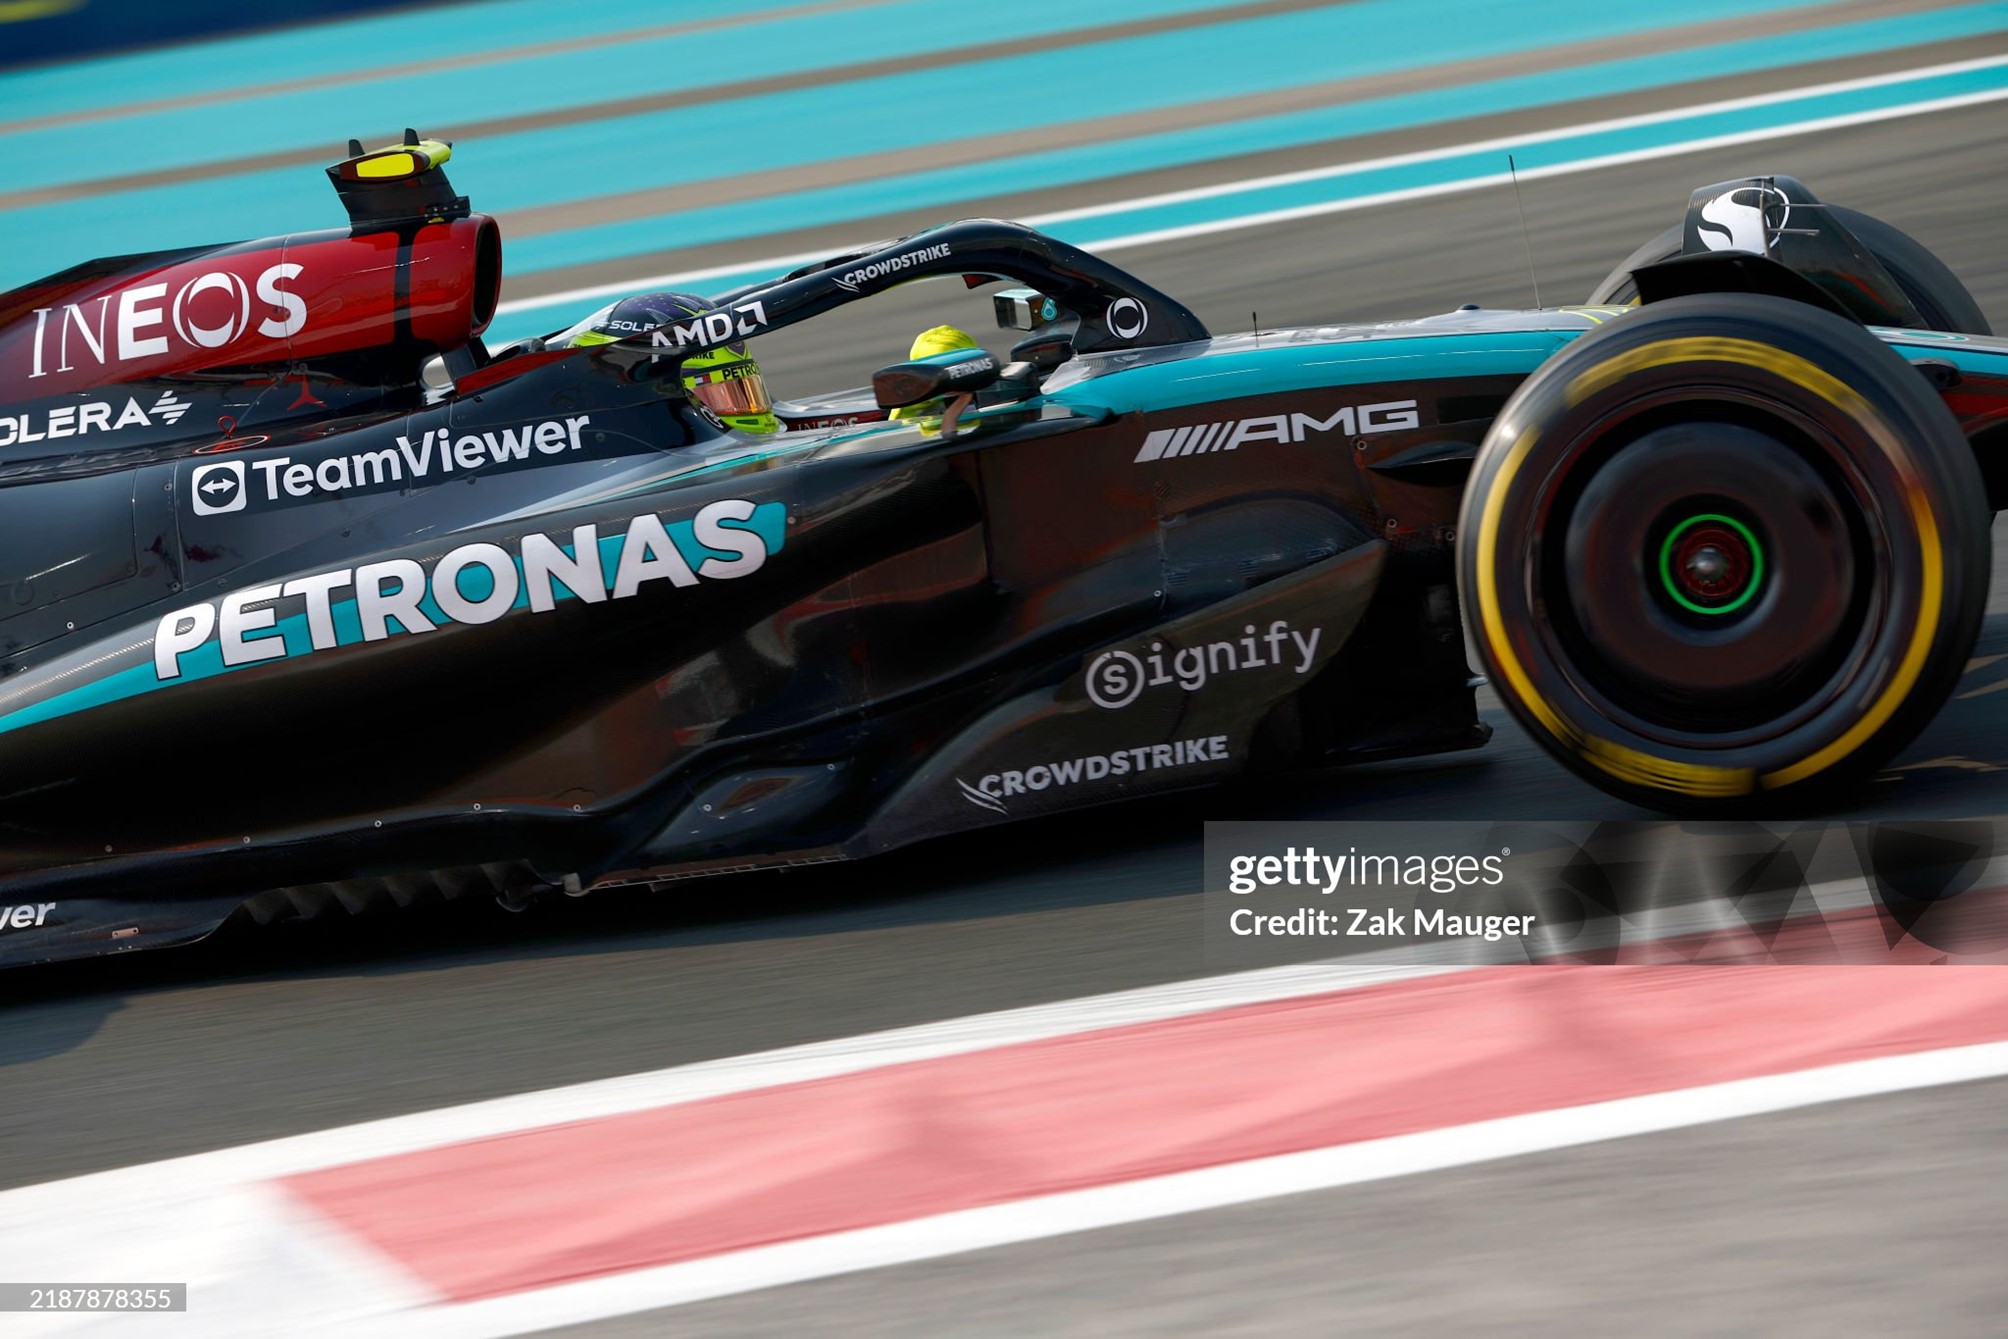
1642	769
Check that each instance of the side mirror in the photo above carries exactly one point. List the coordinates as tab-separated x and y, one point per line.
955	376
963	372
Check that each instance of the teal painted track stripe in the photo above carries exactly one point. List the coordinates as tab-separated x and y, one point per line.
1094	162
773	132
1454	168
190	136
330	51
1559	150
503	175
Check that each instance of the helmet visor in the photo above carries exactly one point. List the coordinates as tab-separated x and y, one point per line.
731	391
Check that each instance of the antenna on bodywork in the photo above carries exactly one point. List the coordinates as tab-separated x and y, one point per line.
1526	237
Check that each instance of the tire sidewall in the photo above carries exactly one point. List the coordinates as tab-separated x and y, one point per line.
1916	484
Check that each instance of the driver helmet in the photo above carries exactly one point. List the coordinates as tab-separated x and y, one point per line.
724	382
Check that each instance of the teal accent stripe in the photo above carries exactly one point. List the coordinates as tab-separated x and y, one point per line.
1300	367
125	683
1969	354
1303	367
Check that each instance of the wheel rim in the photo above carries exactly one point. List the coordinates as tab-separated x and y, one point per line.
1711	564
1707	572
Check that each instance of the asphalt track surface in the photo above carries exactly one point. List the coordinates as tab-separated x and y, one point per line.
1755	1226
1875	1216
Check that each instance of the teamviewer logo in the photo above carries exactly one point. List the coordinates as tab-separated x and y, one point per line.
219	488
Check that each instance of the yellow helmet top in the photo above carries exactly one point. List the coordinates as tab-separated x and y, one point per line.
941	339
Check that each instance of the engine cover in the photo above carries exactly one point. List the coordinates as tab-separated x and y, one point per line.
403	292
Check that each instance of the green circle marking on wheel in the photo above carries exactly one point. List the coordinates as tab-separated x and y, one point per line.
1673	587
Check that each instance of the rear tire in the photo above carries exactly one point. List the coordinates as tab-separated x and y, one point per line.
1728	546
1926	280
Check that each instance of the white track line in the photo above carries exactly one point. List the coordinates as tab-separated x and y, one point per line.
215	1220
391	1135
1553	170
295	1154
1501	144
1190	1192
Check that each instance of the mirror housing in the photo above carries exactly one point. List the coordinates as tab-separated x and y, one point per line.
961	372
1023	309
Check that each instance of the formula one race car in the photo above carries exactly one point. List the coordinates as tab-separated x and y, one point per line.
312	600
